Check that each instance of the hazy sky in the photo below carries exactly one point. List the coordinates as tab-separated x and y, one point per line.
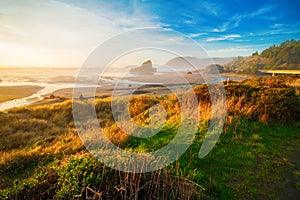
63	33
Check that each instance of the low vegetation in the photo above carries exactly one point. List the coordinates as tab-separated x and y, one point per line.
42	157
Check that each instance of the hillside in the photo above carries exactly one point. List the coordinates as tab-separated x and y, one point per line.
284	56
183	63
42	157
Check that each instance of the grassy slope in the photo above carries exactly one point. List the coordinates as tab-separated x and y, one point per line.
40	150
246	64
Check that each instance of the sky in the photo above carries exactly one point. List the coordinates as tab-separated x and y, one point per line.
63	33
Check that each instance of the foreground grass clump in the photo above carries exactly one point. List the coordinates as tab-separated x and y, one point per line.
260	99
82	177
41	156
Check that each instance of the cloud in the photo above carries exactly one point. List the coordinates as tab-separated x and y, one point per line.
259	12
278	29
211	8
61	33
226	37
235	20
228	52
216	30
195	35
276	25
191	22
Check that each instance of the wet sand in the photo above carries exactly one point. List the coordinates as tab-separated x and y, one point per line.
15	92
138	85
170	78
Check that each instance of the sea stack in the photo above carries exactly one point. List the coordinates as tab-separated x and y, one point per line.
145	67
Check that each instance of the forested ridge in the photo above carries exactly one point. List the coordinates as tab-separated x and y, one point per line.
285	56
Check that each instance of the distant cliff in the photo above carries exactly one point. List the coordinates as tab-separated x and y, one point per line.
145	67
181	63
213	69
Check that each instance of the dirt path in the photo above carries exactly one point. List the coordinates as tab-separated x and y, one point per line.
283	181
289	186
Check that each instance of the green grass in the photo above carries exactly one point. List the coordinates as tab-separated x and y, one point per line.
237	163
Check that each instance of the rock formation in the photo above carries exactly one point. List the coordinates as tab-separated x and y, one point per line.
145	67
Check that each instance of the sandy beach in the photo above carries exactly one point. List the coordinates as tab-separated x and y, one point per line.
15	92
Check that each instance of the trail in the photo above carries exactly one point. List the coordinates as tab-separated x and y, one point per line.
286	185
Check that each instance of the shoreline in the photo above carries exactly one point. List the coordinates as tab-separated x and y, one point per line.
146	84
8	93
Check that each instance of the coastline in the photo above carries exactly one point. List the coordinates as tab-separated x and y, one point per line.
27	95
8	93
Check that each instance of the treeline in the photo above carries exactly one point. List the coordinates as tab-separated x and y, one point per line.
284	56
